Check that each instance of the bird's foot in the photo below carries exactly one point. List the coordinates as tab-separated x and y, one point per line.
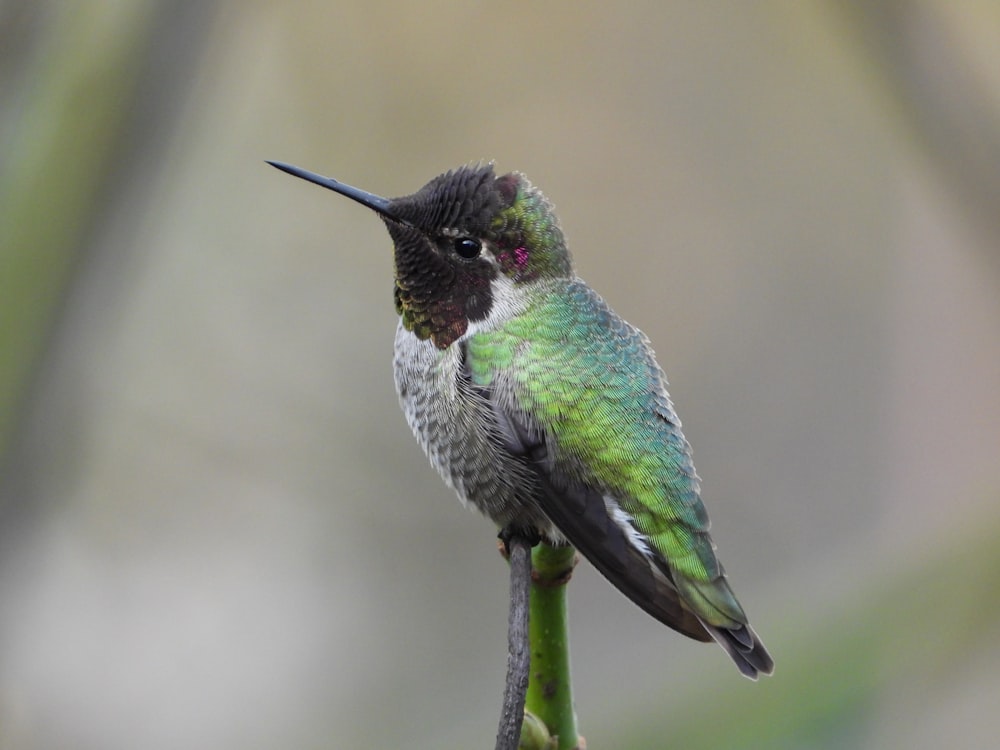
531	536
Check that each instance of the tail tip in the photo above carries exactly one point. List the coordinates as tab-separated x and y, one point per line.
745	649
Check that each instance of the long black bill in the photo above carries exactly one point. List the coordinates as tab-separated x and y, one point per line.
374	202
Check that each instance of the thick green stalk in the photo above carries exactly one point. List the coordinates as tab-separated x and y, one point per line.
550	693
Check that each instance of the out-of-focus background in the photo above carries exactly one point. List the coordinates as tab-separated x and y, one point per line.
215	528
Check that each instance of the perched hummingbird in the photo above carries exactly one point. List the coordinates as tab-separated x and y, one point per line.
542	407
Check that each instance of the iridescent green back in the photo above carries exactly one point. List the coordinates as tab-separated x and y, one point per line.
589	379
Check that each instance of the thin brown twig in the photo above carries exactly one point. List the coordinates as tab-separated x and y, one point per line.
518	652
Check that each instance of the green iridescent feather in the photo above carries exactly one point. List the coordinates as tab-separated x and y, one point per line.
603	400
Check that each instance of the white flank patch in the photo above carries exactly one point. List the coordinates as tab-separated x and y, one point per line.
624	522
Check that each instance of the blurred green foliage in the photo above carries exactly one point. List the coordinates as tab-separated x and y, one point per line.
71	101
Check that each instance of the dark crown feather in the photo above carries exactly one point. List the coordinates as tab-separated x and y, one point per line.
464	199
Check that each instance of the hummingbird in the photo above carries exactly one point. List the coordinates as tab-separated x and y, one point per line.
540	406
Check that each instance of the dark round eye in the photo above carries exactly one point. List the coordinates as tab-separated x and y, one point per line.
468	247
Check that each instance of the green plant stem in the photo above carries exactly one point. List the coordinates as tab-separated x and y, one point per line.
550	693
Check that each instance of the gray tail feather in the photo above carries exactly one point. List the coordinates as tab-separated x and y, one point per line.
744	648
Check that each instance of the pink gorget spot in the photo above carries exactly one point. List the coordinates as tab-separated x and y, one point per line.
521	256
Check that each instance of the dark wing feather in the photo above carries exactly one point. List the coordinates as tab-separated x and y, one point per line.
579	512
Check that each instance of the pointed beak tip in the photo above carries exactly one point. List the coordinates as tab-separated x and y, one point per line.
372	201
283	166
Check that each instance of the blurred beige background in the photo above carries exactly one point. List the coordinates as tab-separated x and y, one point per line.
215	528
